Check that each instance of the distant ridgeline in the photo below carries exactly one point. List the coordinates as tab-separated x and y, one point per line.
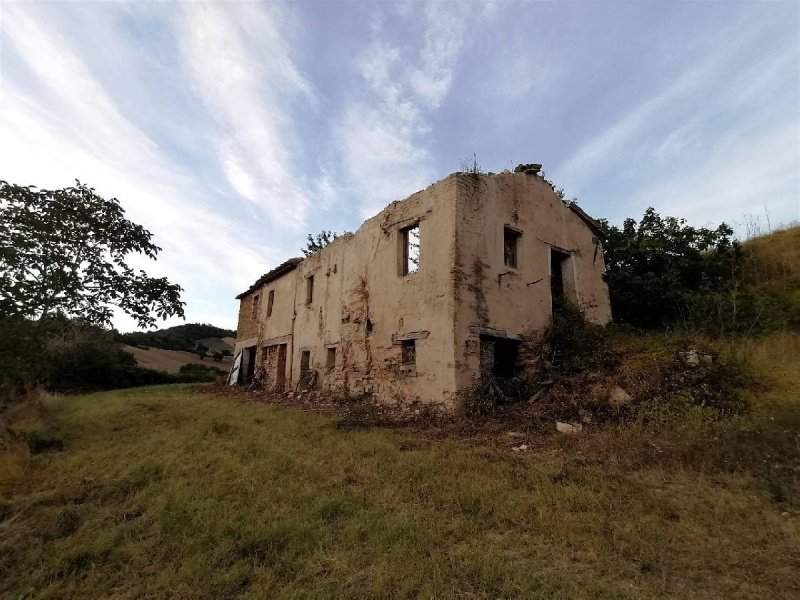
181	337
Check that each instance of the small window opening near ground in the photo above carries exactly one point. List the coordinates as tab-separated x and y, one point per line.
408	352
256	305
330	359
309	289
305	361
511	239
499	356
410	248
270	302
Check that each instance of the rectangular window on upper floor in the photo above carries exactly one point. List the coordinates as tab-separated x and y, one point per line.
255	306
409	250
270	302
511	241
309	289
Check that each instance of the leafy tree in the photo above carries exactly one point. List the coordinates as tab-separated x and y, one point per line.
318	242
65	251
201	350
656	268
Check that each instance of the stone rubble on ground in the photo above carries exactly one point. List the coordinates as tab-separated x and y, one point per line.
691	358
618	397
567	428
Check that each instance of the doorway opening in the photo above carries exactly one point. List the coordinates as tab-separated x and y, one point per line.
249	357
498	356
558	262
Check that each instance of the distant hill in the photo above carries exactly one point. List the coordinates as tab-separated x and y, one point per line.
171	348
172	360
182	337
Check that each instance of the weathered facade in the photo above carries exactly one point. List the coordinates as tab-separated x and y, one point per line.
426	294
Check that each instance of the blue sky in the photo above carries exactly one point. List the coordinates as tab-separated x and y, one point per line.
232	129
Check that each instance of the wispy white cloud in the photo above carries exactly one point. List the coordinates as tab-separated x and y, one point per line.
671	151
445	29
242	71
383	133
80	132
736	180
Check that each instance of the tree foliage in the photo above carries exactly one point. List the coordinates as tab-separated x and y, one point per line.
65	251
315	243
658	268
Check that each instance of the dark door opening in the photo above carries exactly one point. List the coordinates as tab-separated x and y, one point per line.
499	356
250	364
557	263
280	375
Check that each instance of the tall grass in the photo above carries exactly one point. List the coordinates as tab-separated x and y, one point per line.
176	492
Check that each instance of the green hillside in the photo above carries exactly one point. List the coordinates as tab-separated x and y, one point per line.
181	337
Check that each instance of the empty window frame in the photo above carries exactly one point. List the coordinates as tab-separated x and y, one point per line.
305	361
408	352
511	239
330	359
256	305
270	302
309	289
410	249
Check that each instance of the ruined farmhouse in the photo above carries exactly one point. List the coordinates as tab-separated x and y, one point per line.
427	294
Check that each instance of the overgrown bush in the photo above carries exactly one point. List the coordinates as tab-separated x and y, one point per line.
654	267
199	373
21	347
81	357
574	368
69	355
662	273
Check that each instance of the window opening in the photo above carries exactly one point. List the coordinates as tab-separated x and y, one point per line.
511	247
410	240
309	289
270	302
330	359
256	305
408	352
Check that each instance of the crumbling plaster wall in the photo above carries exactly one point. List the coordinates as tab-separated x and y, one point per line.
362	304
492	297
263	331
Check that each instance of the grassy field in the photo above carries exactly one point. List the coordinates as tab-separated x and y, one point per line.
177	491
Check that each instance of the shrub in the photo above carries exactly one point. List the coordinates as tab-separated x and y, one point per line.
654	266
198	373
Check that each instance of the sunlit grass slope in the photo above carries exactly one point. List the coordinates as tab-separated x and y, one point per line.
177	492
